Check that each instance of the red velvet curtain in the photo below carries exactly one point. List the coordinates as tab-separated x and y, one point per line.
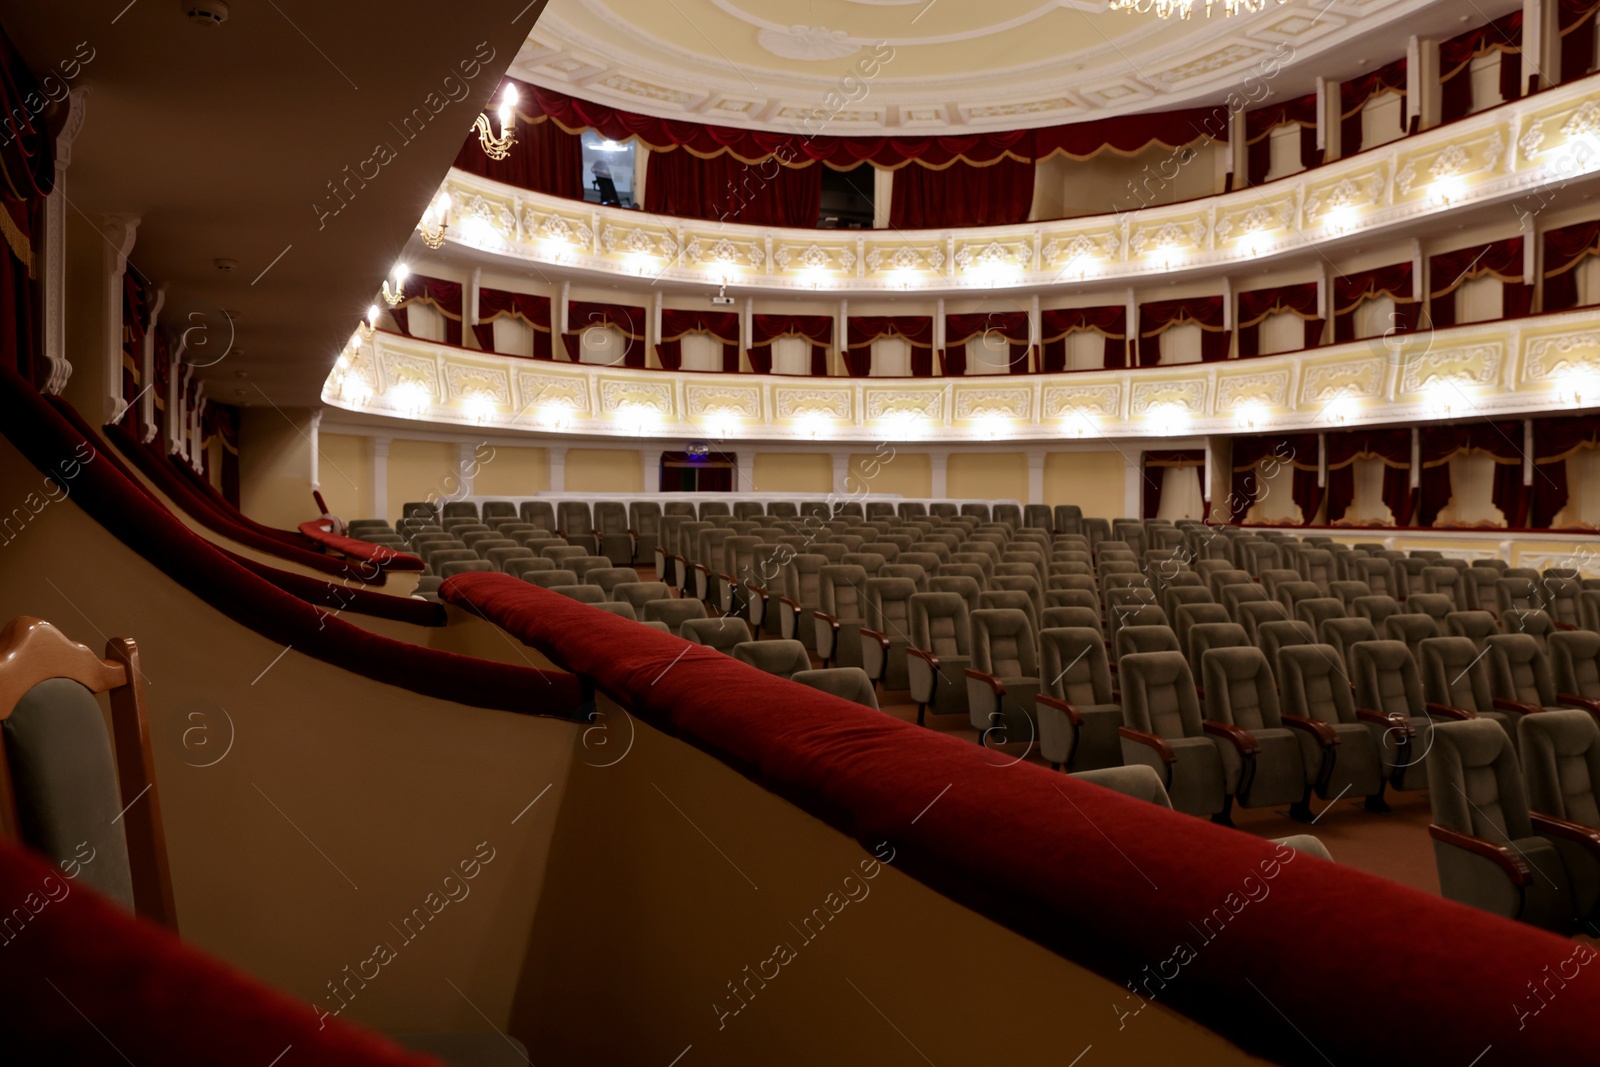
677	324
1564	250
1391	446
1012	326
1206	312
1554	441
1259	125
723	188
818	329
1153	466
1299	451
1257	304
1354	94
1056	324
630	321
1503	35
1447	271
998	193
531	309
861	331
1128	135
1350	290
443	295
546	159
1575	19
1500	441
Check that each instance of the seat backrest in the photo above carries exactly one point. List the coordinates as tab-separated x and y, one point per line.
1003	643
1068	615
709	508
1535	622
460	509
1240	593
1437	605
1294	593
1386	677
1316	609
1475	783
721	633
1456	674
644	516
1513	592
1575	662
889	605
1559	594
674	612
1518	670
1561	763
848	683
1131	639
1158	695
584	594
1273	636
1377	607
782	658
966	587
1073	666
1344	632
802	578
611	517
640	593
1240	688
682	508
1015	599
1313	684
1411	629
940	624
573	515
551	578
498	509
1475	626
1213	635
844	590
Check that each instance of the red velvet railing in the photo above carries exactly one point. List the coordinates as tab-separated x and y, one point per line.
1364	970
320	531
243	594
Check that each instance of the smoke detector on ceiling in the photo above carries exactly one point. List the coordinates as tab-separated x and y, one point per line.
206	12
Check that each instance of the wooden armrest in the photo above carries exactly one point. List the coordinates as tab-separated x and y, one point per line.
1163	749
883	641
1445	711
755	587
1060	705
829	619
792	605
925	656
1518	706
1320	730
1243	740
1396	721
1508	861
1576	701
1576	832
990	680
1566	626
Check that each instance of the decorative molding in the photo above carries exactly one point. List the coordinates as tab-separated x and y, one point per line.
1062	400
1474	365
976	403
1267	387
718	398
623	395
795	402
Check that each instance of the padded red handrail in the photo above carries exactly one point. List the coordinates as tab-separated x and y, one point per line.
132	515
1364	969
320	531
151	998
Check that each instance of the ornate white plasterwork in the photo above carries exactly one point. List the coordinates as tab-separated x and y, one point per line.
1329	381
1011	403
807	43
1550	357
1267	387
464	382
535	389
1062	400
795	402
1187	393
882	403
1472	365
717	398
622	395
398	367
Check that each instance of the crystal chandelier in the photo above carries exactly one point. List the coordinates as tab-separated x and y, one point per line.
1183	9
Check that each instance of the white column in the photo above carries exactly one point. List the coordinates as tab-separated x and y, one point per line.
1036	330
743	467
1329	108
1535	45
562	312
558	469
841	472
650	465
380	477
119	232
652	333
841	333
1238	155
1414	83
1133	327
939	338
174	392
467	454
474	287
55	252
882	197
1229	309
939	467
315	437
1035	476
147	371
180	411
1133	487
1430	101
196	436
747	330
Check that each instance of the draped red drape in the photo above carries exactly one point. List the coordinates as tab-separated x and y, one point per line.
1011	326
962	194
443	295
1257	304
1500	441
1554	442
861	331
1351	290
1153	469
1575	18
221	421
1564	250
546	159
1206	312
723	188
630	321
1503	35
529	308
1354	94
1447	271
1298	451
1393	447
1259	125
765	329
677	324
1128	135
1056	324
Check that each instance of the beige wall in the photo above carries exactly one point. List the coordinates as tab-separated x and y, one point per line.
1095	481
422	470
791	472
604	470
275	466
892	470
513	471
344	469
987	475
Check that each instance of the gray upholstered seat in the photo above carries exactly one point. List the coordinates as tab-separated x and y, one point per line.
1313	686
644	519
1377	608
887	632
802	577
1411	629
1340	634
613	533
576	525
1388	683
1535	622
1137	781
721	632
1264	766
1488	852
464	566
1162	730
1078	719
617	607
1561	765
1519	672
848	683
674	612
1575	667
1455	682
782	658
1207	636
939	653
550	578
640	593
1475	626
582	593
1004	677
1272	636
841	614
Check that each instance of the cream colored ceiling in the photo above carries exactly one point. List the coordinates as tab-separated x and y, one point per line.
979	64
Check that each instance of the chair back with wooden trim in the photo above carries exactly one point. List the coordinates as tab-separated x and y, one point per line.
62	791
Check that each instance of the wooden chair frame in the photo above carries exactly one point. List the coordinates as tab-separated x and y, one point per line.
34	651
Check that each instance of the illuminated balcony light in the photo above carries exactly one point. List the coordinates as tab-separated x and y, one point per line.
901	278
1442	399
722	425
994	273
556	415
1250	415
815	425
480	407
1169	420
994	427
1339	220
353	389
1079	424
814	277
479	232
1168	257
639	263
1254	243
1447	190
1578	386
409	398
1079	268
1342	409
903	425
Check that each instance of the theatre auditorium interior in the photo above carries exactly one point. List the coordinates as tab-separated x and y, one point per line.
855	532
